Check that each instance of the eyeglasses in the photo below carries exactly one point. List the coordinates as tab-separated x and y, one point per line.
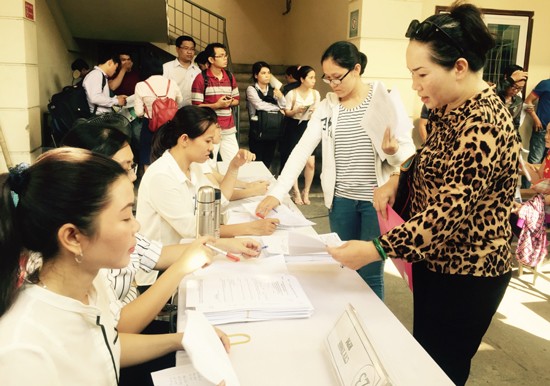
132	168
424	32
517	88
335	82
222	56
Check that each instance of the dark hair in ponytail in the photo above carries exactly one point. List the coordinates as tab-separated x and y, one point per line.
465	27
190	120
303	72
65	185
346	55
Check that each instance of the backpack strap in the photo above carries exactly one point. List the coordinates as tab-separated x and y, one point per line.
205	77
151	88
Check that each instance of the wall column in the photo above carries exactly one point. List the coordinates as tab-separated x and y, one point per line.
19	99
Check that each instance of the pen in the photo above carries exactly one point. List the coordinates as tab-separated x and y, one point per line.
230	256
262	216
263	247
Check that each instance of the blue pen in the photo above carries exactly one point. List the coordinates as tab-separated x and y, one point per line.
263	247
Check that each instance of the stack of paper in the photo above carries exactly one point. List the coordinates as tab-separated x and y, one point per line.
301	247
243	298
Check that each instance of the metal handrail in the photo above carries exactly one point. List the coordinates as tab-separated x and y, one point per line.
188	18
205	26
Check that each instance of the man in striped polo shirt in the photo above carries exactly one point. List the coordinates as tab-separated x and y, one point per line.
219	91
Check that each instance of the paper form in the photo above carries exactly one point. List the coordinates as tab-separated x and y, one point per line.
206	350
385	110
240	298
179	376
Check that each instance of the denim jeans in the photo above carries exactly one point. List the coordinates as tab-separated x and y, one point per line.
537	145
357	220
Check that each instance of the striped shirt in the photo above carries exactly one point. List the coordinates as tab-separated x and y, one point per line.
354	154
146	255
215	89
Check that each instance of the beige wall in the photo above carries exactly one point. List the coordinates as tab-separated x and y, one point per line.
36	56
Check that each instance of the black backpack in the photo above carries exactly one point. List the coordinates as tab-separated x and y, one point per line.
66	107
205	77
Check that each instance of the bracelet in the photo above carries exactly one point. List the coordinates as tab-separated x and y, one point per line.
379	248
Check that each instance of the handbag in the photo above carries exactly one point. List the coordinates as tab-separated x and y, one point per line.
402	203
268	127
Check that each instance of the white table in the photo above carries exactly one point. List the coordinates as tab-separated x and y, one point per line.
292	352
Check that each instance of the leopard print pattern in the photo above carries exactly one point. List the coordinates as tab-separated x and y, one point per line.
462	192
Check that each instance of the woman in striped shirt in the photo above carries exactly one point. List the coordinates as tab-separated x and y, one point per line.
354	163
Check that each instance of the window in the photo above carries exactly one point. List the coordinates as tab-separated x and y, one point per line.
512	31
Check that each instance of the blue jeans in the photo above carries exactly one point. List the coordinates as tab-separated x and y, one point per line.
537	145
357	220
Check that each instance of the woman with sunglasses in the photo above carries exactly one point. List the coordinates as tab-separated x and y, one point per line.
352	165
459	233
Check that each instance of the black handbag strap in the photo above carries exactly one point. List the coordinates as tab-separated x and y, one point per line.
269	98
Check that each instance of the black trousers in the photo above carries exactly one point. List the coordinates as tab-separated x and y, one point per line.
451	315
264	150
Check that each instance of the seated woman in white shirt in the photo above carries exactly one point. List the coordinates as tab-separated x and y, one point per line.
242	189
74	208
138	312
166	197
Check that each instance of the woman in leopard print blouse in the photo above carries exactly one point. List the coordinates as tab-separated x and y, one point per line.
459	233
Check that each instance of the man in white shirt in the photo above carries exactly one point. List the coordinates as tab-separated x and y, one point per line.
182	70
97	88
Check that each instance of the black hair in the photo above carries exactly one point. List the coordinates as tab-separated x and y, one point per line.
257	67
64	186
152	65
509	70
103	140
345	55
291	71
202	58
106	56
464	35
184	38
190	120
210	49
79	64
303	72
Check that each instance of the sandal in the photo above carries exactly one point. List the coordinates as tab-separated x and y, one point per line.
305	197
297	198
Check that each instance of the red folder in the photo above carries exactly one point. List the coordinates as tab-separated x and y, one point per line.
393	220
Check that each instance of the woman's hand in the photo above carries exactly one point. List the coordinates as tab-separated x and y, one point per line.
389	142
195	256
258	188
354	254
242	157
245	246
264	227
266	205
224	338
385	195
277	93
519	75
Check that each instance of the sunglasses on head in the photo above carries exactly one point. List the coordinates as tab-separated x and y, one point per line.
426	30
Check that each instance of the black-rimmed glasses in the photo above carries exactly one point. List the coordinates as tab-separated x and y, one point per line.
335	82
425	30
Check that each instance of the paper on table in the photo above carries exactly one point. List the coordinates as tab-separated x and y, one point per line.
206	350
276	244
385	110
240	298
271	264
287	217
179	376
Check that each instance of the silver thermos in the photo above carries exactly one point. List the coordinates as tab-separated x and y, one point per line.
207	211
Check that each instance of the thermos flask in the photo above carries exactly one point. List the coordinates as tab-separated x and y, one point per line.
207	211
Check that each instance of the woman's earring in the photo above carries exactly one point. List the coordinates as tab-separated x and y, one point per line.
79	259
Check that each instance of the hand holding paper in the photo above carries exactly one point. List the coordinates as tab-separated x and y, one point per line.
207	348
